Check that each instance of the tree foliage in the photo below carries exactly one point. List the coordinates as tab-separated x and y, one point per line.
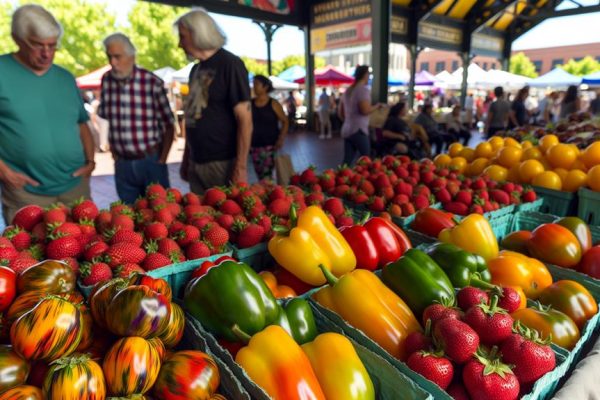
520	64
7	45
585	66
255	67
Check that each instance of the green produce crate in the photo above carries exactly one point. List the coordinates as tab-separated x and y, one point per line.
229	385
387	380
529	220
502	211
501	225
418	238
595	234
258	256
589	206
531	206
542	389
557	202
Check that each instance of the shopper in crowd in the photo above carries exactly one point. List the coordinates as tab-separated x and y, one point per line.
324	108
519	115
270	127
469	106
217	110
396	132
498	113
141	126
354	110
455	126
595	104
47	150
436	137
571	103
290	105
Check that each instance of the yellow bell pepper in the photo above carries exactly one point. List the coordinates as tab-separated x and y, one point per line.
340	371
313	240
366	303
515	269
473	234
278	364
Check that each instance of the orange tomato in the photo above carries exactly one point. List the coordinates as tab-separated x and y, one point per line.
547	141
513	174
484	149
496	142
562	155
529	169
549	180
467	153
510	142
478	165
284	292
591	155
442	160
496	172
562	173
575	179
454	149
459	164
533	153
269	279
594	178
578	164
526	144
509	156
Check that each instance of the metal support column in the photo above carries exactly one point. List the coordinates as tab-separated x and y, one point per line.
505	61
466	60
414	51
268	30
381	11
309	82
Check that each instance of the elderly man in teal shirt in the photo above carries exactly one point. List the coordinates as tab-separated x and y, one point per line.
47	152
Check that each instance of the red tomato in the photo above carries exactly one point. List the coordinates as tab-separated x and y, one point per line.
555	244
590	263
8	287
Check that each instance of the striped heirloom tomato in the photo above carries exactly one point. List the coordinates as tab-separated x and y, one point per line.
131	366
159	285
101	295
159	346
174	332
49	276
75	378
49	331
26	301
23	392
13	369
87	324
187	374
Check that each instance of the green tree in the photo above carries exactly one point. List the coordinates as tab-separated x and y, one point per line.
296	59
7	45
585	66
520	64
255	67
153	35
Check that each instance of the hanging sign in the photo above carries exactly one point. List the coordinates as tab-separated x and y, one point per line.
348	34
332	12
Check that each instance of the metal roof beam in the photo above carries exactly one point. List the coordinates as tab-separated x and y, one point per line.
478	20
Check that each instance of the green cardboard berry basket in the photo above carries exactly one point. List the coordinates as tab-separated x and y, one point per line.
557	202
501	212
257	256
589	206
501	225
529	220
531	206
387	380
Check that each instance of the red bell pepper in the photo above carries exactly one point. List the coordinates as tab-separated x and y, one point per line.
206	265
431	221
376	242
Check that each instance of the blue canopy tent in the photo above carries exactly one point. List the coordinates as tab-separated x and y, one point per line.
293	73
556	78
592	79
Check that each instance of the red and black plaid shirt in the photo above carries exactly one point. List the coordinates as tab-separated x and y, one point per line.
137	110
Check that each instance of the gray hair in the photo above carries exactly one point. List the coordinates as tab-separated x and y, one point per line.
206	34
35	20
122	38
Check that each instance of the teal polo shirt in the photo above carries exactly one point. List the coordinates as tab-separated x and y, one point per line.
39	125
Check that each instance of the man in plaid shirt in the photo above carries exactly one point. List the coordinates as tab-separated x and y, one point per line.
135	103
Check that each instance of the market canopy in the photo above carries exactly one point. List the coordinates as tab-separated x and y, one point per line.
293	73
183	75
93	80
592	79
424	78
505	79
329	76
476	76
282	84
556	78
165	73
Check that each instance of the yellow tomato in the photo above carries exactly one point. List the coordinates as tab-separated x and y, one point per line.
496	172
549	180
529	169
459	164
496	142
513	174
591	155
467	153
594	178
484	149
578	164
575	179
562	155
526	144
532	153
509	156
562	173
454	149
547	141
478	165
510	142
442	160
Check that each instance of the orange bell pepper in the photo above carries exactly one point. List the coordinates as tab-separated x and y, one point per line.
278	364
279	291
515	269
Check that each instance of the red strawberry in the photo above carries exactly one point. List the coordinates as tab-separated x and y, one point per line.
155	231
65	229
123	253
500	196
164	215
168	246
27	217
458	340
191	199
155	261
174	195
487	378
156	190
376	204
230	207
126	236
21	262
197	250
87	227
403	188
19	238
280	207
125	270
84	209
408	209
508	187
421	202
437	312
266	223
315	198
443	195
476	209
457	391
308	176
492	323
188	234
61	247
215	235
225	220
510	299
141	203
478	184
213	197
72	262
250	235
434	367
528	196
464	197
55	215
122	221
344	220
456	207
174	209
470	296
418	341
94	249
103	220
530	356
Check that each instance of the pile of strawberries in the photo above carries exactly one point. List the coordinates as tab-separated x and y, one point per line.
161	228
400	186
498	358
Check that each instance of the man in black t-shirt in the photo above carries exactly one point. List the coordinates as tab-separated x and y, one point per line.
217	109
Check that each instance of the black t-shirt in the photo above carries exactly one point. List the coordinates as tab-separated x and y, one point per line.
265	124
397	125
518	106
217	85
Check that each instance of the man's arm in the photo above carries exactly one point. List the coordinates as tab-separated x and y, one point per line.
14	179
167	142
243	115
88	150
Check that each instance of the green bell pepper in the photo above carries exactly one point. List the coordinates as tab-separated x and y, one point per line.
463	268
300	320
231	294
418	280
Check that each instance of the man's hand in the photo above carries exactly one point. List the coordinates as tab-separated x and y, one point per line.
240	173
86	170
17	180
